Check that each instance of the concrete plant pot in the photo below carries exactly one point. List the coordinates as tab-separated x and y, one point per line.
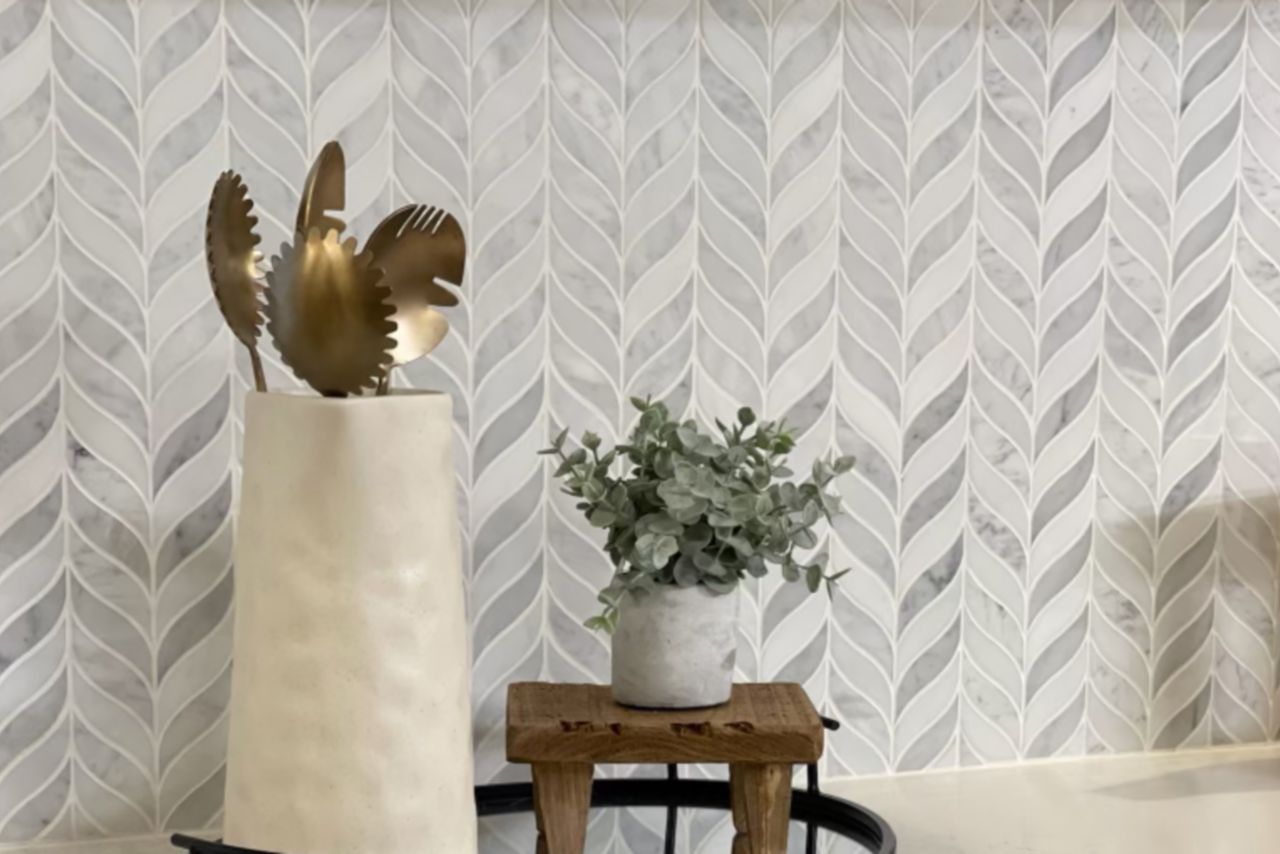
350	727
675	648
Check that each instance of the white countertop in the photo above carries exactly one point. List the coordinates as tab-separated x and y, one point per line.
1215	801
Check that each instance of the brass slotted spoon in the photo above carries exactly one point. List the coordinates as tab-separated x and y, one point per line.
325	190
416	247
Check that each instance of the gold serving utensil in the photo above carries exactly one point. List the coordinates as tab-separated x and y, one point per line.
416	247
340	319
430	327
230	250
329	313
325	190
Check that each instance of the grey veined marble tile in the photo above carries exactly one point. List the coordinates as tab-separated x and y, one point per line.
1019	258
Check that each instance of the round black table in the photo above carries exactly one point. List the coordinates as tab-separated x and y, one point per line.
658	816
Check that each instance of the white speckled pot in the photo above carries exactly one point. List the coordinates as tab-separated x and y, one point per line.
675	648
350	700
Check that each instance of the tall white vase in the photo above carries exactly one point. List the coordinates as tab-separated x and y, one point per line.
350	726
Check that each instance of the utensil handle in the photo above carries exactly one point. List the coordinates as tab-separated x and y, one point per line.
259	376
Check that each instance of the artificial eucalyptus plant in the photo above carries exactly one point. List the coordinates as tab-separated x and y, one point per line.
684	508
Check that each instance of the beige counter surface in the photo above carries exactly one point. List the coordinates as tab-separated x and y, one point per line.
1219	801
1215	801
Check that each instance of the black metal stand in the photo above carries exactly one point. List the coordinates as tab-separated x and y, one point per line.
818	811
808	806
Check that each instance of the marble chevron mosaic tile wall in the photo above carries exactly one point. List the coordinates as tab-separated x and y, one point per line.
1020	256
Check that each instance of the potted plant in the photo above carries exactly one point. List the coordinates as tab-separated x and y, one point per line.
688	516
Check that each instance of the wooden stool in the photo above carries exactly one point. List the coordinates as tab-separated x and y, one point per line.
564	730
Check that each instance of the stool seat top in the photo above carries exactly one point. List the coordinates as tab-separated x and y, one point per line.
771	722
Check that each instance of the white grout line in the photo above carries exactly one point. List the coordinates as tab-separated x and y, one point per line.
149	844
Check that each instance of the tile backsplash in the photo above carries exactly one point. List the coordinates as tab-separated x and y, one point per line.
1019	256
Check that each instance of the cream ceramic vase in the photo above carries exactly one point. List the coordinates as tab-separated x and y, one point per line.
350	728
675	648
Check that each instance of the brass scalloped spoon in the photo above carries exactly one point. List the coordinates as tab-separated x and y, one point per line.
329	313
230	250
327	309
415	246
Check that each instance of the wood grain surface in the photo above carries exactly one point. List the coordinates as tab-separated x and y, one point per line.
761	723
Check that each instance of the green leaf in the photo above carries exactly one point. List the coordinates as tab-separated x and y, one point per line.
688	436
707	449
719	587
686	572
690	514
832	579
813	577
742	507
718	570
593	490
662	524
760	477
719	520
696	537
804	538
663	464
665	548
704	484
674	495
602	517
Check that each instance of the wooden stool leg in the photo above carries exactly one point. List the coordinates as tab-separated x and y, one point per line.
561	801
761	807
